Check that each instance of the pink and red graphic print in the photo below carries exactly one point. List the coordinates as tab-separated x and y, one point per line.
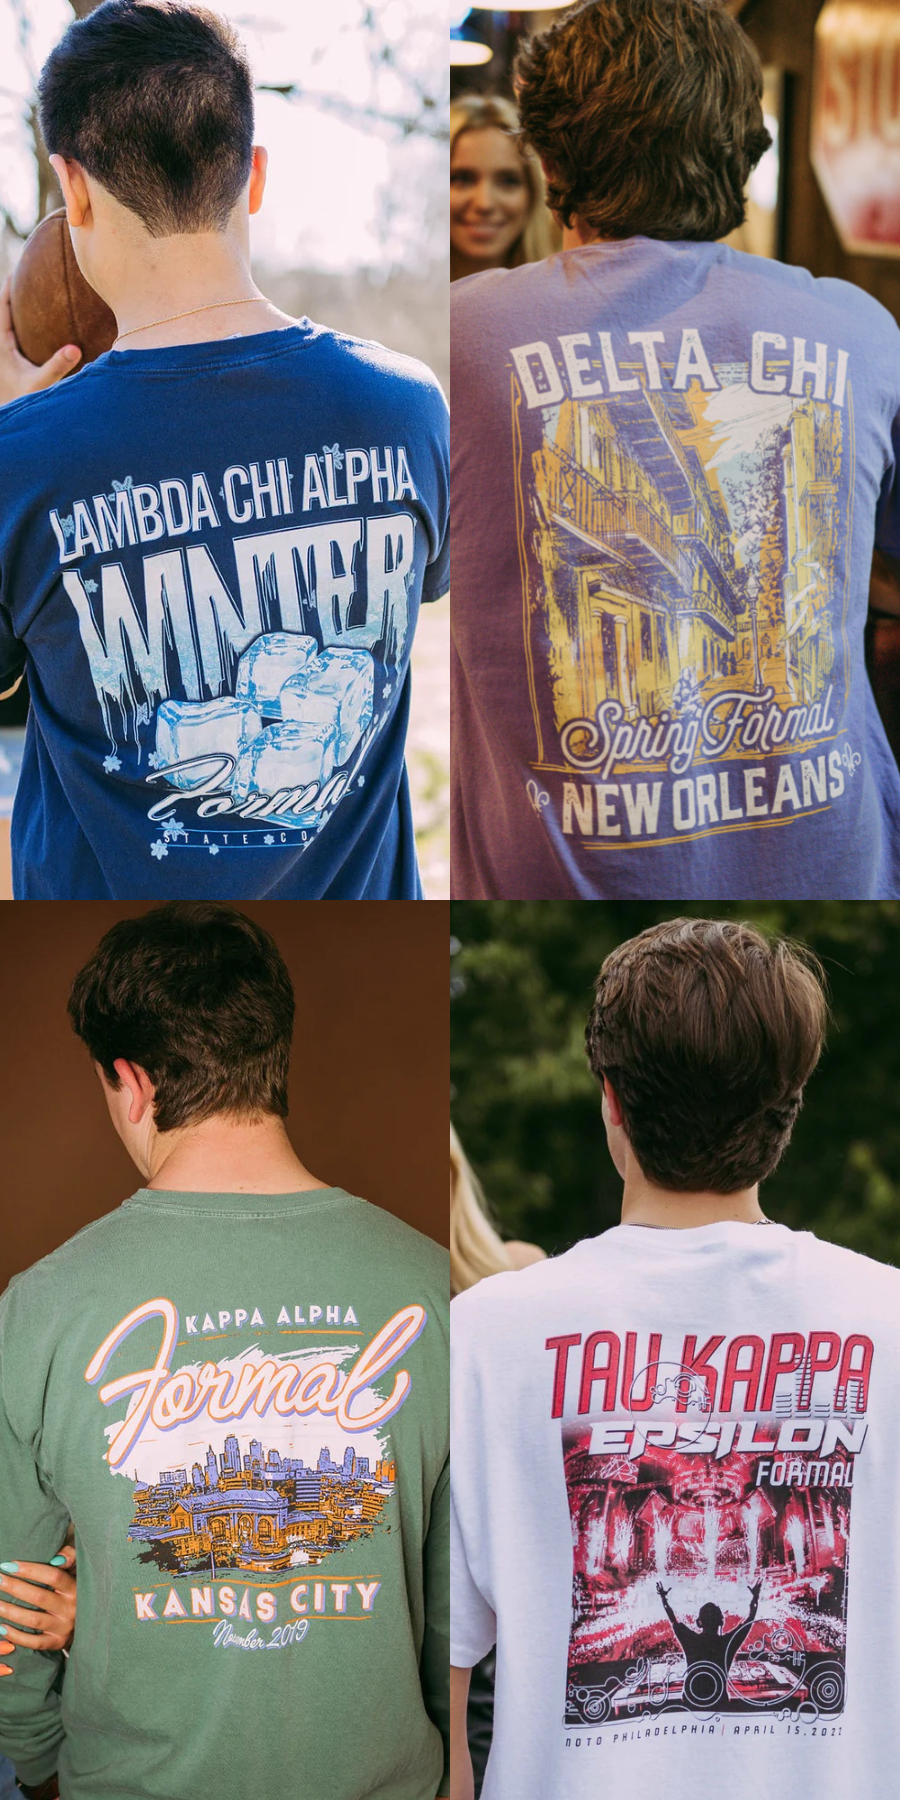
710	1500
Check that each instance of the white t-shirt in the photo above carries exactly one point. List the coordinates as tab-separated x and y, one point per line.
711	1413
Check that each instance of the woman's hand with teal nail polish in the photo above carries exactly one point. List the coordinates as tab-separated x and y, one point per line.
38	1606
9	1568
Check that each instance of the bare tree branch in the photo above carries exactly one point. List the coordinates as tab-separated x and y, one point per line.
406	123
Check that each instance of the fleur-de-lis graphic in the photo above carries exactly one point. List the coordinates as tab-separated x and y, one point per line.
851	759
336	454
537	797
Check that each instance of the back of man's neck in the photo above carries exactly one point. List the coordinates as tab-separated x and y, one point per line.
644	1204
193	290
228	1156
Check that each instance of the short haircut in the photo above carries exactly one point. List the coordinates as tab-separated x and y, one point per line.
707	1031
198	995
647	114
154	99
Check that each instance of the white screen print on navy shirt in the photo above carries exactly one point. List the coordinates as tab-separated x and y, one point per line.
243	678
685	515
710	1487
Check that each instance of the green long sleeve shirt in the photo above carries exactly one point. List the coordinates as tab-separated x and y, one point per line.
240	1401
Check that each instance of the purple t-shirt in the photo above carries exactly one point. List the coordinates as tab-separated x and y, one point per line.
670	464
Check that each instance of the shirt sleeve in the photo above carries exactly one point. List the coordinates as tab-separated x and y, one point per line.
33	1524
473	1625
435	1659
437	574
12	654
887	517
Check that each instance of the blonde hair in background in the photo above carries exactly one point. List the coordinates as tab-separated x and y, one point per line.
492	112
476	1249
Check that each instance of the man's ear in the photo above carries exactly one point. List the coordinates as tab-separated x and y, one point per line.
70	176
140	1088
258	177
616	1116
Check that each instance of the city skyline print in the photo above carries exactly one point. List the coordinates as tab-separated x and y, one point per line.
246	1504
257	1461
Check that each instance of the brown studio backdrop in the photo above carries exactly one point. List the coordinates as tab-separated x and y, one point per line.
369	1070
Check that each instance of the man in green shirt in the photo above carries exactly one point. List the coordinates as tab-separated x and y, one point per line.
235	1388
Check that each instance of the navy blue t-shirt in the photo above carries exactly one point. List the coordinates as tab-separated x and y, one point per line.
211	563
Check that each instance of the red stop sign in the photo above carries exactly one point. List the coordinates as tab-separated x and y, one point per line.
856	122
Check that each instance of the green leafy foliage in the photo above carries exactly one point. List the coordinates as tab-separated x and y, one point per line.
528	1110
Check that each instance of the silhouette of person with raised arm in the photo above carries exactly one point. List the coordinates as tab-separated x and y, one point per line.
710	1651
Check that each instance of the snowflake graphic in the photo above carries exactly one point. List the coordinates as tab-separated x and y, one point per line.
268	839
122	487
173	828
213	849
336	453
387	689
361	782
159	849
154	760
68	525
90	587
111	764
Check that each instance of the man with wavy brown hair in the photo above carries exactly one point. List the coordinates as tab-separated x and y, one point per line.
213	1384
693	1407
670	464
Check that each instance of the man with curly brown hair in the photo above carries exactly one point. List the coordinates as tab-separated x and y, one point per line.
671	461
694	1407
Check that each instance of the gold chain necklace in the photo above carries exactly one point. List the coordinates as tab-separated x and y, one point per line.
250	300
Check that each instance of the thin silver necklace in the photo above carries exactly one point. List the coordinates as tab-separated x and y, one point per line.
644	1225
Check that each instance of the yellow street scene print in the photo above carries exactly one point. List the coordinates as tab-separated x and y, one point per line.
684	603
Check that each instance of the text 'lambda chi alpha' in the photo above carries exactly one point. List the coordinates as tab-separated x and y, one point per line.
679	522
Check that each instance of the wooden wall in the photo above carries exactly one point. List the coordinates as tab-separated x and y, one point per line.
783	32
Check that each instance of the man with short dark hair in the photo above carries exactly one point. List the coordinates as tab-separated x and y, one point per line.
694	1405
214	540
234	1387
670	464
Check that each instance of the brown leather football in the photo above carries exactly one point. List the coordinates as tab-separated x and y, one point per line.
52	303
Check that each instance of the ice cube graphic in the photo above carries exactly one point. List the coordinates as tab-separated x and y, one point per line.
342	679
267	664
289	755
186	729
